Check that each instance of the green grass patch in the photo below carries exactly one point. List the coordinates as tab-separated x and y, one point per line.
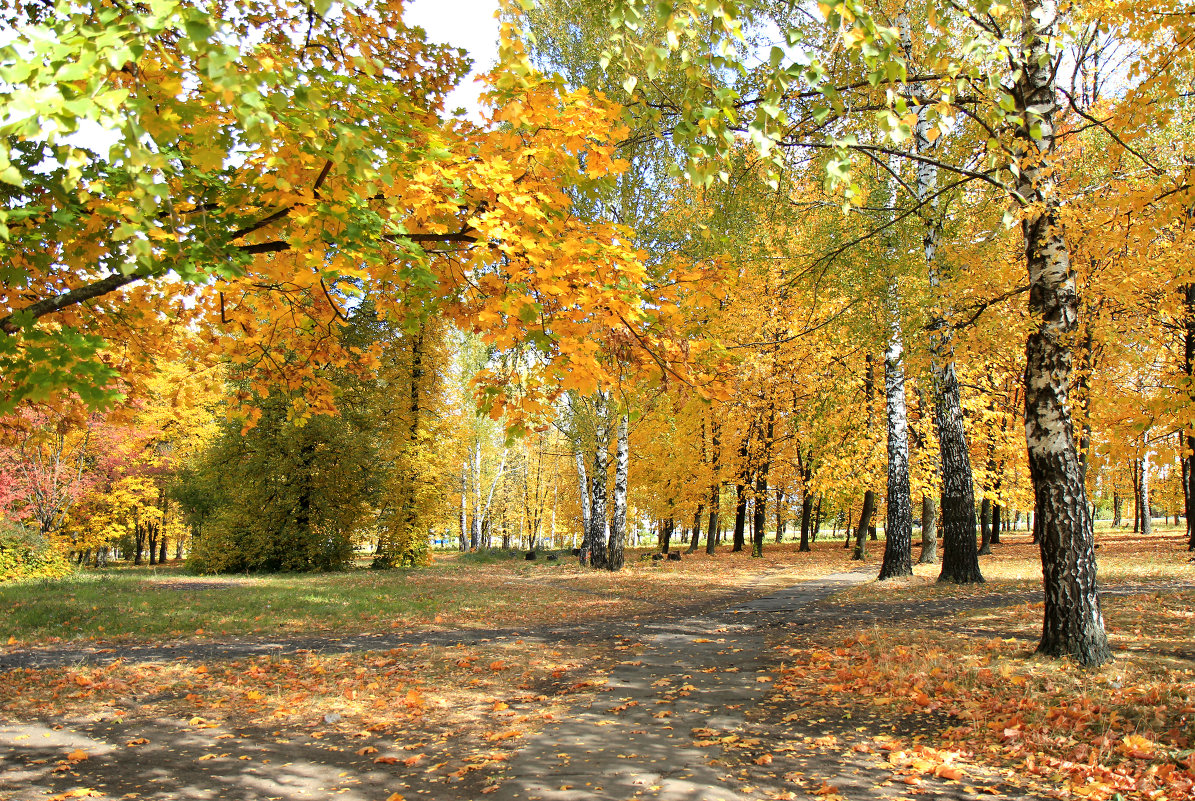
147	603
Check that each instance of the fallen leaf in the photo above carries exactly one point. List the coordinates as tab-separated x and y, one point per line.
78	755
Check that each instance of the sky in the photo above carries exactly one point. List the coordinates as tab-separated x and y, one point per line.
465	23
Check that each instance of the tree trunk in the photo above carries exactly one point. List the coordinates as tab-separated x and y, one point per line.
898	527
929	533
869	500
985	530
849	530
583	482
760	505
1146	515
715	501
960	558
666	534
740	518
464	535
711	532
695	540
806	520
781	517
817	520
597	484
997	511
618	524
1073	623
475	530
1116	509
759	521
1189	364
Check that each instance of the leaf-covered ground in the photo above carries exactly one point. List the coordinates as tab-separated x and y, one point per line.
887	690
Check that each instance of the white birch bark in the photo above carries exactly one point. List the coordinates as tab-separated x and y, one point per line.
898	539
1073	623
618	522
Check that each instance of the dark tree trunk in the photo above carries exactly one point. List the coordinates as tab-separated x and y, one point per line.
760	520
997	512
1189	365
152	543
781	517
1136	476
666	534
929	531
138	542
849	531
985	529
740	518
960	555
869	500
1073	624
817	520
695	540
712	531
806	521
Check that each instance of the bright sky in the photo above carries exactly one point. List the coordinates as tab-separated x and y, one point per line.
465	23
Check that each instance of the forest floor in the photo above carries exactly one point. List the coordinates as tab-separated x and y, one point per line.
707	679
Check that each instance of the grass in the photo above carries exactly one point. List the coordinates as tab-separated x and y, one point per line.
456	591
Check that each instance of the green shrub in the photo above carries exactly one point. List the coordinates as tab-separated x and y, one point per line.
26	554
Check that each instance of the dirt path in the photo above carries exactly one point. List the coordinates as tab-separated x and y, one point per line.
674	724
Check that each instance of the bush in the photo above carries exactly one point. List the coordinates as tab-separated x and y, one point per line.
281	497
26	554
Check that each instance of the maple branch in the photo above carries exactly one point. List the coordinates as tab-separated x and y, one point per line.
75	296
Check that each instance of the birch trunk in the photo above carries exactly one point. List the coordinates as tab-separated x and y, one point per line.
1146	516
1073	623
583	479
475	531
898	529
960	558
597	484
464	541
618	523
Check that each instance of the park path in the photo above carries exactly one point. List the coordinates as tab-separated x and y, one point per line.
635	739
